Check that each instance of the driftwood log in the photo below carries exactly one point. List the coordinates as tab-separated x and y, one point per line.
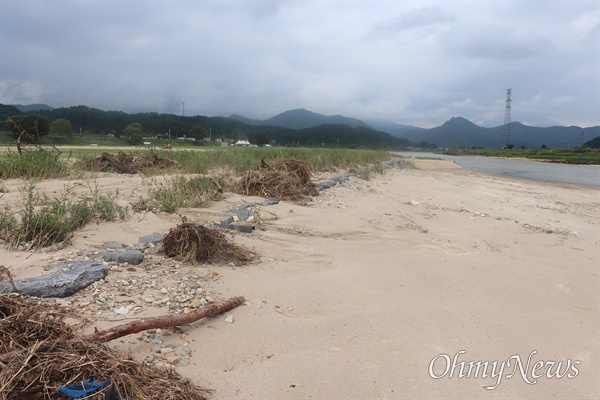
163	321
121	167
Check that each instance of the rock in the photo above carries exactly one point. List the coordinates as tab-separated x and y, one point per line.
155	239
241	213
173	359
415	202
269	202
395	164
226	221
326	185
229	319
133	257
113	245
241	228
121	311
184	361
73	277
166	350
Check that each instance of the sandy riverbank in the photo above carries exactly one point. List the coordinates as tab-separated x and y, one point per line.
359	291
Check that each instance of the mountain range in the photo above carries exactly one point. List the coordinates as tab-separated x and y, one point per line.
457	131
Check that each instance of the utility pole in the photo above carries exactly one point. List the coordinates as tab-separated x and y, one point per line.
183	109
507	119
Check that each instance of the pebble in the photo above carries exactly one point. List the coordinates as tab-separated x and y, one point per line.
121	311
170	287
229	319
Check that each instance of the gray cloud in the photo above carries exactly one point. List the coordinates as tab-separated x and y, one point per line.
425	19
399	61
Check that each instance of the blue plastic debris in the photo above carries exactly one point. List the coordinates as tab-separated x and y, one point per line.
79	390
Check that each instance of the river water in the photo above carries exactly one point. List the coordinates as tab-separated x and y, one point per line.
542	171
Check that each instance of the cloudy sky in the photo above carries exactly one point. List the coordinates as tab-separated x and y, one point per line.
411	62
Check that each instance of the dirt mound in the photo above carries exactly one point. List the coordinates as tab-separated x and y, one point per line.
285	178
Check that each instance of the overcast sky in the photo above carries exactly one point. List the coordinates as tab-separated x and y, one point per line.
416	62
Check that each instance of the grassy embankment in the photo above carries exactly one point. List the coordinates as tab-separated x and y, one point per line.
236	161
556	155
44	220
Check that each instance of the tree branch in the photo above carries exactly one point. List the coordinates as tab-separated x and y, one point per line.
163	321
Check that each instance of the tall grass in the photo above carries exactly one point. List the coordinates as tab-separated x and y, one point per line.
32	165
33	227
179	192
236	161
239	160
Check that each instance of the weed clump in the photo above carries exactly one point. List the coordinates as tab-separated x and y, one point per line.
284	178
179	192
195	243
34	227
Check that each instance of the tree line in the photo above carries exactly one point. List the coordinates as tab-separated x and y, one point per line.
73	120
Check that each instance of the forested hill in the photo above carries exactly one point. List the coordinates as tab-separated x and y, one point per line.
96	121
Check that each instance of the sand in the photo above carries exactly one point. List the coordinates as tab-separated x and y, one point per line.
358	291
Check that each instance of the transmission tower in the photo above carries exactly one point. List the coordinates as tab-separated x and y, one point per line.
507	119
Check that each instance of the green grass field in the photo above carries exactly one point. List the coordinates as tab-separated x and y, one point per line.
562	155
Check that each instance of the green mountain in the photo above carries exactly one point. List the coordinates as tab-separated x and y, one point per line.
390	127
459	131
32	107
302	119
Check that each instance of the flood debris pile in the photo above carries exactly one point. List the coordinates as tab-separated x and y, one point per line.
130	163
41	357
195	243
284	178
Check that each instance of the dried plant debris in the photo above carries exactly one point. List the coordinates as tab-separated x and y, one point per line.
193	243
284	178
130	163
46	356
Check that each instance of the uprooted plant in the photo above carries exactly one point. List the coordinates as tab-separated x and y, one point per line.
284	178
193	243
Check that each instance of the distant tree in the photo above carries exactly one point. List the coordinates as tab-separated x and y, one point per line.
198	132
62	126
522	147
510	146
34	124
543	146
134	132
261	138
